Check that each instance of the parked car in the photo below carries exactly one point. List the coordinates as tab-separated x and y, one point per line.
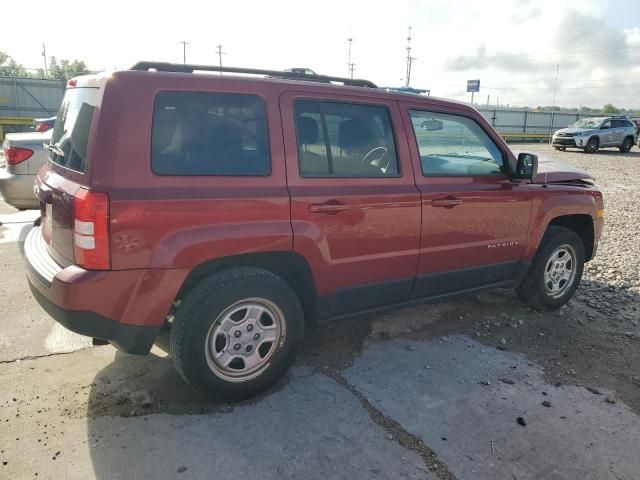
43	124
590	134
238	210
23	155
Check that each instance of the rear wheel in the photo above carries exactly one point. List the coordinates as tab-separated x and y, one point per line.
626	145
237	333
561	149
592	145
556	270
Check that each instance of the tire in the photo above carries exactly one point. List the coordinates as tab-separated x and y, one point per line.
592	145
561	149
627	143
215	316
534	290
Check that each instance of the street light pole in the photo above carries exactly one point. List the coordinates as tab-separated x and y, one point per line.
410	59
220	53
349	63
184	51
44	55
555	88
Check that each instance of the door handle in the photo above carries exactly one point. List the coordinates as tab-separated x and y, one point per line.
448	202
331	207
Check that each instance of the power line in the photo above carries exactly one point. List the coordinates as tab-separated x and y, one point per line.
551	56
581	87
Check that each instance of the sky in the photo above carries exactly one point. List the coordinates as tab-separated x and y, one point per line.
513	46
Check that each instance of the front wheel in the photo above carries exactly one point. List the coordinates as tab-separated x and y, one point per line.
237	333
556	270
592	145
626	145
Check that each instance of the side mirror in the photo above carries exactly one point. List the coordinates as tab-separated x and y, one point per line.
527	166
432	125
604	127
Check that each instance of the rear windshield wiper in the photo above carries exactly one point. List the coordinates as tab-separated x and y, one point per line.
55	148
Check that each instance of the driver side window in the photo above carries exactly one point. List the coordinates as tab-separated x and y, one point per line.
344	140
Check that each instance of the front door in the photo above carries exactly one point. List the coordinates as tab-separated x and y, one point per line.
474	217
355	209
607	134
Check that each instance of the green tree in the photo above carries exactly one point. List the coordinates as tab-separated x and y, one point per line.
10	68
66	69
609	109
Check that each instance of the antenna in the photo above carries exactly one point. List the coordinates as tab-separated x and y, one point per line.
410	59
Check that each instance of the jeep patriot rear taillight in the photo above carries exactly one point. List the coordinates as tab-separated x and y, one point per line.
91	230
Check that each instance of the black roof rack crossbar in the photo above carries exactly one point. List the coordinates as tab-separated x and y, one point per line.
190	68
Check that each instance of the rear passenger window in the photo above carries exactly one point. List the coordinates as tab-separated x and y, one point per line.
344	140
199	133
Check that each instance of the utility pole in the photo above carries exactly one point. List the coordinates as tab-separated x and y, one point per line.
44	55
410	59
351	65
487	100
184	51
555	88
220	53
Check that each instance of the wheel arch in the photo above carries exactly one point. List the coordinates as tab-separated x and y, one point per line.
582	225
289	266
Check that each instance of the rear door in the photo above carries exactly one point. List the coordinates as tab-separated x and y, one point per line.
474	217
619	131
67	170
355	209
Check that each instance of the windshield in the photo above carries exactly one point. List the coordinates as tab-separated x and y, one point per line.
71	130
587	123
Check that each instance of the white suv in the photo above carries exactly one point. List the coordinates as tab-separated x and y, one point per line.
590	134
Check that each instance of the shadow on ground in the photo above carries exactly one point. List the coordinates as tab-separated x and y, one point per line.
311	426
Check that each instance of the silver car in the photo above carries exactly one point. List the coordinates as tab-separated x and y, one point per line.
590	134
22	156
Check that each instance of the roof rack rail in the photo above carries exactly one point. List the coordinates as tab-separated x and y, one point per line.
190	68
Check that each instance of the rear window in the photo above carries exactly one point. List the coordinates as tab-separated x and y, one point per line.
200	133
72	126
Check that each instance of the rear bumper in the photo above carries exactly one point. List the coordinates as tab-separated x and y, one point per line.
125	307
128	338
17	190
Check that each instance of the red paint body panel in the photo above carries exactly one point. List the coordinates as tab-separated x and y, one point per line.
131	297
552	201
385	229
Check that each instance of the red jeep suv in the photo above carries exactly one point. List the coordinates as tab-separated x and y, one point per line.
239	209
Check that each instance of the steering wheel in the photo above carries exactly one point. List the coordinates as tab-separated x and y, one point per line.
381	151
